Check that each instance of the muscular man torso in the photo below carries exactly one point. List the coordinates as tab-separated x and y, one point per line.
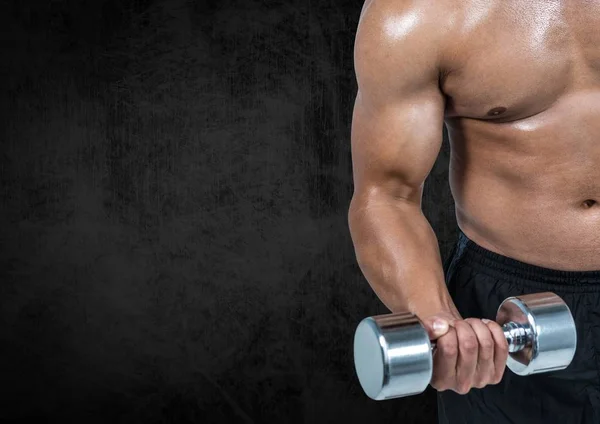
522	89
517	84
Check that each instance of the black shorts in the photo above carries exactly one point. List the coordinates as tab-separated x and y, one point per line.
478	281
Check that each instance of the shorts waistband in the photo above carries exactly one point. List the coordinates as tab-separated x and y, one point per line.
506	268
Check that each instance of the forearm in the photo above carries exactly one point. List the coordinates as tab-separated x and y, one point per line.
398	253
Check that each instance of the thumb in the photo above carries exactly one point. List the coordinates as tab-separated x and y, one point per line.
436	326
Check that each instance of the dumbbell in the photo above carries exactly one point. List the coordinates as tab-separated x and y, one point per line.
393	355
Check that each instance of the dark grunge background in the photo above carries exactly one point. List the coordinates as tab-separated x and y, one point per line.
175	177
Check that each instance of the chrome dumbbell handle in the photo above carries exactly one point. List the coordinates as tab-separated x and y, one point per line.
519	336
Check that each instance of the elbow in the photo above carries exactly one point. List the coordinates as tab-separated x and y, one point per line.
357	223
352	216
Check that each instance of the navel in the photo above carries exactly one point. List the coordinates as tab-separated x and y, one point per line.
496	111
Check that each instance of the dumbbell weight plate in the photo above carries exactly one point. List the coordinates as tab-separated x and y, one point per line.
555	341
392	356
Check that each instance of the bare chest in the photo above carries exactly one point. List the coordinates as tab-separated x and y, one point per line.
512	61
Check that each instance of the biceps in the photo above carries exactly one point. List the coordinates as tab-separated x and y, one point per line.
394	147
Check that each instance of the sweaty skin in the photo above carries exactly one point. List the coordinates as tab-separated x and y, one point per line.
517	84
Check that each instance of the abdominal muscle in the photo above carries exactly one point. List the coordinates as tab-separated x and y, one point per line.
555	234
530	189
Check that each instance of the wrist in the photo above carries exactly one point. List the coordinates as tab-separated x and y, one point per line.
444	307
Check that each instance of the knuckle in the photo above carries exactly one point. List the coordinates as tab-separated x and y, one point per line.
480	384
487	344
469	345
489	378
463	386
486	357
450	351
463	389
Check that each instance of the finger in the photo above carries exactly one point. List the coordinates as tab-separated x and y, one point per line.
435	326
466	362
500	349
444	361
485	370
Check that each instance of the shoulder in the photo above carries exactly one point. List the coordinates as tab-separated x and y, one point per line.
435	26
398	19
405	36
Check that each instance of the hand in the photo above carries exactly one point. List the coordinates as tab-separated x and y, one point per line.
470	352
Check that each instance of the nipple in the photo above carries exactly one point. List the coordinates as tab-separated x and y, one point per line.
496	111
589	203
